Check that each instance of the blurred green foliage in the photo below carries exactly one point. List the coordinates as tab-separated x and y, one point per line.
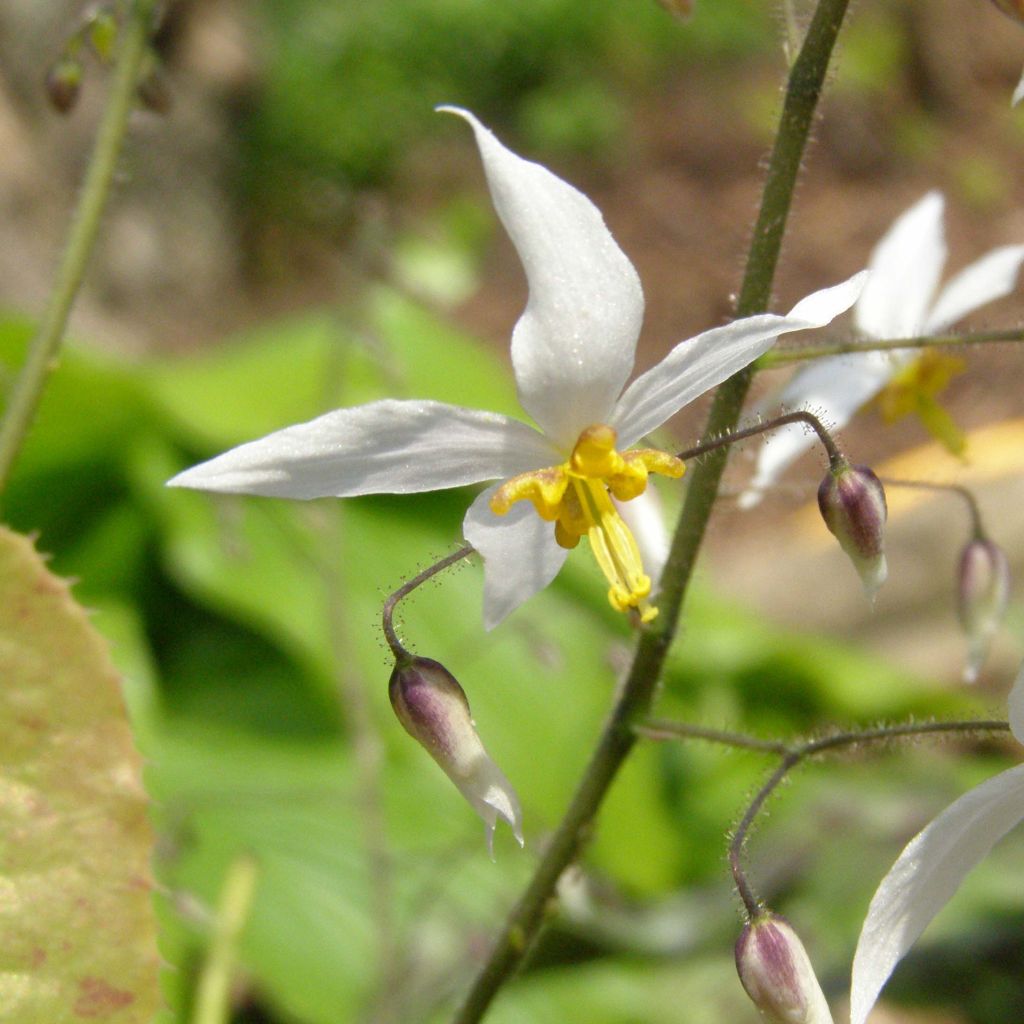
349	86
243	626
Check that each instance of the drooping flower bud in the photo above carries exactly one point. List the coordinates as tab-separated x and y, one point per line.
777	973
982	596
64	83
433	708
852	503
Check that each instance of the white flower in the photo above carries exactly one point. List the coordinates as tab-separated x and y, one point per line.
898	301
930	869
572	352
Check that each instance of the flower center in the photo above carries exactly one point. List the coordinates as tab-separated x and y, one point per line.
577	497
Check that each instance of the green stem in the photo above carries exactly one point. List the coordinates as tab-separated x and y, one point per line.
785	356
637	695
43	350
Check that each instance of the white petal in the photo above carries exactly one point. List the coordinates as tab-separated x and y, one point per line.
985	280
833	389
905	268
1018	93
388	447
925	877
573	347
519	552
696	365
1016	702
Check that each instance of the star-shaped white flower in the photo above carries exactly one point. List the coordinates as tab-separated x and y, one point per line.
898	301
930	869
572	352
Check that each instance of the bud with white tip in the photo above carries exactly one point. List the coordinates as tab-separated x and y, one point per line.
982	596
433	708
777	973
852	503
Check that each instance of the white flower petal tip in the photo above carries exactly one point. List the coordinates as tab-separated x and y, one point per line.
433	709
1018	93
573	347
820	308
925	877
872	576
491	795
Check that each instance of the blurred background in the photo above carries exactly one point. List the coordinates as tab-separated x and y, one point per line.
298	231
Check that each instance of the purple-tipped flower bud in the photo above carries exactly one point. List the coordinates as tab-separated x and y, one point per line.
777	974
64	83
984	590
433	708
852	503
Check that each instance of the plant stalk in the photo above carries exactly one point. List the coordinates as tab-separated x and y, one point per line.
41	359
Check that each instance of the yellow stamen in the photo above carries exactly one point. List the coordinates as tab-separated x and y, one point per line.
577	497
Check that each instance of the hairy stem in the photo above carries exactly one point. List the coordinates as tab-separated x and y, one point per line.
42	354
801	353
388	614
793	755
800	416
638	691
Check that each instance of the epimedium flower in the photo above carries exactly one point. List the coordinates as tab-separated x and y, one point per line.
900	300
931	867
572	353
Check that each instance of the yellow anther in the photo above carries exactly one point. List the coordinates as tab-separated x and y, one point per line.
577	497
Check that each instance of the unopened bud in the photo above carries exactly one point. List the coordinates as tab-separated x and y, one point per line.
64	83
852	503
433	708
777	974
984	590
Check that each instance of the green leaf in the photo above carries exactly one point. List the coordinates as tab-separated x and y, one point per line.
77	929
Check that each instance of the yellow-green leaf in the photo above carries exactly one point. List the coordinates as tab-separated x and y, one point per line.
77	929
